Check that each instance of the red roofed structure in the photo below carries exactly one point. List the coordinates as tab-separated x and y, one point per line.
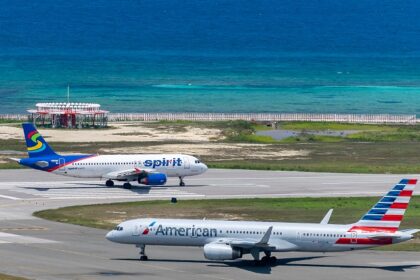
68	115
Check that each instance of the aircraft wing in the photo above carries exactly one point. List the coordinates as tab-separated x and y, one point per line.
131	173
262	244
247	243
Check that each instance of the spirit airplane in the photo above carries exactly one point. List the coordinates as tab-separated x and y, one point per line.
229	240
147	169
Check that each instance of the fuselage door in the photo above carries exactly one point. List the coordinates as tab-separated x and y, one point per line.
353	239
186	163
62	163
136	230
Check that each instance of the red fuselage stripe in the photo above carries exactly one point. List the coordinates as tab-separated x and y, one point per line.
364	241
70	162
373	229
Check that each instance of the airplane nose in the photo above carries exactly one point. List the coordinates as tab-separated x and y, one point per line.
110	236
204	168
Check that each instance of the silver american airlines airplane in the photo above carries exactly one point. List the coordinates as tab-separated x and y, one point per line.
229	240
146	169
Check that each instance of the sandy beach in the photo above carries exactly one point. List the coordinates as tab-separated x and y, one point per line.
119	132
199	141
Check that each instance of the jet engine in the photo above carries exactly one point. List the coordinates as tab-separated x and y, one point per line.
153	179
221	252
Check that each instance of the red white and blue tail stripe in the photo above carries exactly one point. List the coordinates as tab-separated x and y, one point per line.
387	214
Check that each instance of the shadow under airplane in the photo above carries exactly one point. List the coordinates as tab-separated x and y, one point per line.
251	266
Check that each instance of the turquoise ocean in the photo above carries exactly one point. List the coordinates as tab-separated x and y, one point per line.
212	56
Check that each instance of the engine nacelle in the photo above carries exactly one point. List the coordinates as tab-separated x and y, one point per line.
221	252
153	179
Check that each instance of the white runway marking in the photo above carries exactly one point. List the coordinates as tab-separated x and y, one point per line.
10	197
353	182
239	185
332	194
70	191
20	239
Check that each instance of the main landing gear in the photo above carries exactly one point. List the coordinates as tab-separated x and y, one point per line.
181	181
267	259
109	183
143	256
127	185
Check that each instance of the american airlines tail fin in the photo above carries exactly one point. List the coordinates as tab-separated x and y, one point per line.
35	143
387	214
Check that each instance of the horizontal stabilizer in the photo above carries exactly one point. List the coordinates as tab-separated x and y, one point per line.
383	235
411	231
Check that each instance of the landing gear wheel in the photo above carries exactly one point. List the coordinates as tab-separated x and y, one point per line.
181	182
265	260
143	258
127	186
273	260
109	183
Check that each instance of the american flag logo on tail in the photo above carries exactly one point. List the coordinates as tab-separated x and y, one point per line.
387	214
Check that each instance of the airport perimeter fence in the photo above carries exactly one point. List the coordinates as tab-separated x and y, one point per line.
263	117
14	117
267	117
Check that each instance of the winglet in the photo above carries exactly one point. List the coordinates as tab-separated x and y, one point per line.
327	217
266	237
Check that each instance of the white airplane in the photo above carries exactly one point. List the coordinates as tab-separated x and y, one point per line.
147	169
229	240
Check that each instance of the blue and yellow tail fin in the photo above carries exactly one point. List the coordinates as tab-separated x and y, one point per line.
35	143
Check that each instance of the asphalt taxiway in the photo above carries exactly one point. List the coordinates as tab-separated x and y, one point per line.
40	249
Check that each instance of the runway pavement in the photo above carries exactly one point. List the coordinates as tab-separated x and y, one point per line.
41	249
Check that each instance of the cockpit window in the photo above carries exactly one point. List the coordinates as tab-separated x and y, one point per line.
197	161
118	228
